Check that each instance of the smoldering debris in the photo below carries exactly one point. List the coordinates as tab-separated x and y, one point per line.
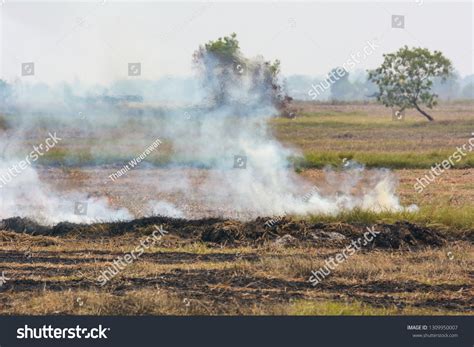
400	235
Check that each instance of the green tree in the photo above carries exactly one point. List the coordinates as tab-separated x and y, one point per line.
405	78
223	67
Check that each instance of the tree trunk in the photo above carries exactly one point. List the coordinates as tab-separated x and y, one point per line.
424	113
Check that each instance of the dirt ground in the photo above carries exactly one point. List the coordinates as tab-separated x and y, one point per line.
215	266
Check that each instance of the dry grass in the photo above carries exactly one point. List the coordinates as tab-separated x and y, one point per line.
59	276
325	134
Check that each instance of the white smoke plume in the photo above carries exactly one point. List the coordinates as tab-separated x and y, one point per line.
267	185
248	172
26	196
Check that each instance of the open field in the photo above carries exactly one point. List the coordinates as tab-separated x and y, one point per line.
186	273
221	266
325	134
57	273
322	134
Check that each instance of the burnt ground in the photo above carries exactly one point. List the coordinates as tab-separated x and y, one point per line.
215	266
400	235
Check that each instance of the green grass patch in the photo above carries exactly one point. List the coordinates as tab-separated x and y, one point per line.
84	157
453	220
382	160
317	160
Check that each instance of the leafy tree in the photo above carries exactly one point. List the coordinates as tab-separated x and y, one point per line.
405	78
224	67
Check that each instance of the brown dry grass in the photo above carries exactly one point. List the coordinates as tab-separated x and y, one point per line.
51	275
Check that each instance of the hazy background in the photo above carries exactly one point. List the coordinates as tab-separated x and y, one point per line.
93	42
81	88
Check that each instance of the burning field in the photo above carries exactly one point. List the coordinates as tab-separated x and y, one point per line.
213	206
216	266
206	264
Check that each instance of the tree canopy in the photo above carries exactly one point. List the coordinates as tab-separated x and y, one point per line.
405	78
223	67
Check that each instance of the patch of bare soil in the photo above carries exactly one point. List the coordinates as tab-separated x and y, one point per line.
285	232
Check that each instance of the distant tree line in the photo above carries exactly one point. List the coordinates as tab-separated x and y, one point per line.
355	86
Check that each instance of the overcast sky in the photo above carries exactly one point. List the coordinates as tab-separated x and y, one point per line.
95	41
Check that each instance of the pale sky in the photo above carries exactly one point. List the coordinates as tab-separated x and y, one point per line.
95	41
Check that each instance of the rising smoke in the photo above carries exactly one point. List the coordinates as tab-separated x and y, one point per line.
209	134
